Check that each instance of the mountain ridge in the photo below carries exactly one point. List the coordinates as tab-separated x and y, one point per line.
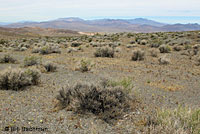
107	25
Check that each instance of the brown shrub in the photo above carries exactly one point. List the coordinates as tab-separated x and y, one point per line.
108	103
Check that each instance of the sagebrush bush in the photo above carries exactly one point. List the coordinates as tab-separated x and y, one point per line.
16	79
48	50
50	67
177	48
198	61
30	61
7	59
75	44
138	55
154	52
45	50
104	52
108	103
143	42
164	49
36	50
163	60
84	65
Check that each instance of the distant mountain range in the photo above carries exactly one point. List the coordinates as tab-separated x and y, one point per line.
107	25
35	32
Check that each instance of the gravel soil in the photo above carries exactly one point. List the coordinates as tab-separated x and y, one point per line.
155	85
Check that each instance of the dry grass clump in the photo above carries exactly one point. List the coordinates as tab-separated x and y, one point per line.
181	118
107	103
50	67
104	52
7	59
138	55
16	79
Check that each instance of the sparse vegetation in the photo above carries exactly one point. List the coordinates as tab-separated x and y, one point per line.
135	97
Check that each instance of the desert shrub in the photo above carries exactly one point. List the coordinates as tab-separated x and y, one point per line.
132	42
177	48
131	45
30	61
71	49
36	50
16	79
155	45
104	52
118	49
34	75
45	50
107	103
143	42
163	60
154	52
3	41
164	49
75	44
48	50
138	55
23	49
84	65
198	61
7	59
186	47
50	67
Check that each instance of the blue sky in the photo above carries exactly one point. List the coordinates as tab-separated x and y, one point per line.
41	10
